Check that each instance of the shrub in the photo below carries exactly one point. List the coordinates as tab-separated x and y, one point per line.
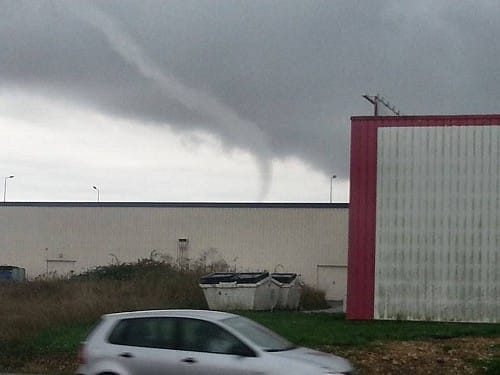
36	305
312	298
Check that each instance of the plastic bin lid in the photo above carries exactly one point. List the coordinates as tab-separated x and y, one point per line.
8	268
251	277
284	278
218	277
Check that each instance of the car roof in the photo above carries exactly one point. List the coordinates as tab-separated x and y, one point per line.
180	313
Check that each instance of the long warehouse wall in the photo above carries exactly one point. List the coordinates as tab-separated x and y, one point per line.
309	239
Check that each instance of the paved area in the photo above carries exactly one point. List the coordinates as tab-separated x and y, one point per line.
335	307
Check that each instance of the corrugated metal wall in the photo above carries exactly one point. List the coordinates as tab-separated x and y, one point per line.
437	223
63	238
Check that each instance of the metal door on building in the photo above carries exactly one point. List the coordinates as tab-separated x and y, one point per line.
333	280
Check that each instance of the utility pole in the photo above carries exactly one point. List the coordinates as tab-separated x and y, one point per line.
98	192
376	99
331	187
5	186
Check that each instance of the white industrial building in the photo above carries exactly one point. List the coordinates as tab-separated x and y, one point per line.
424	227
309	239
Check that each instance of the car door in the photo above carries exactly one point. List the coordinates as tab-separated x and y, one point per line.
145	346
208	349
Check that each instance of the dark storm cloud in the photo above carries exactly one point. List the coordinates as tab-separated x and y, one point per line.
295	69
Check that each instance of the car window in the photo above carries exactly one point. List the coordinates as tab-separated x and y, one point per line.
203	336
166	333
145	332
261	336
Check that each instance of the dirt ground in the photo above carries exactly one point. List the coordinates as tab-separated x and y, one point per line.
448	356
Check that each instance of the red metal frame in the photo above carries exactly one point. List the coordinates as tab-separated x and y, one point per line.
363	193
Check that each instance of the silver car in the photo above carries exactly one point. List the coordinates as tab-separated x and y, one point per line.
189	342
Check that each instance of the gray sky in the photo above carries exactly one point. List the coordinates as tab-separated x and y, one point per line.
223	100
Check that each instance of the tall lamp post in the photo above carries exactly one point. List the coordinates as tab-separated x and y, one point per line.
331	186
96	189
5	186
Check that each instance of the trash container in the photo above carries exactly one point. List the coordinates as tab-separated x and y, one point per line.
290	290
218	277
12	273
240	291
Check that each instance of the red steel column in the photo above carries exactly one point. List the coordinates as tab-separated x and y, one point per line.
362	220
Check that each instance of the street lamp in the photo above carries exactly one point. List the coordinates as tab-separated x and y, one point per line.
331	186
5	186
97	189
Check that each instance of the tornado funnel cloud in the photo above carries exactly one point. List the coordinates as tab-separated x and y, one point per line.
221	119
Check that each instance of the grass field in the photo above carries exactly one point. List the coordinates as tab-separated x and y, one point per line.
317	330
43	322
307	329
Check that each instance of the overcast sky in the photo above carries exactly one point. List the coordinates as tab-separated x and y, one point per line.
223	100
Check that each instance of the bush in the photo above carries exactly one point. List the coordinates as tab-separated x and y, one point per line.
30	307
312	299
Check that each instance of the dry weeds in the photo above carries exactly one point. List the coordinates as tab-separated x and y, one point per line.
42	304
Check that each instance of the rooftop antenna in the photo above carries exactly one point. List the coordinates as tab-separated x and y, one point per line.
376	99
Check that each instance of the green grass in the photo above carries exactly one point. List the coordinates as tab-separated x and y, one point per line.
317	330
491	367
487	366
62	341
321	329
308	329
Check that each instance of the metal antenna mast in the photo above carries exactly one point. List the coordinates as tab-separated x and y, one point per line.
376	99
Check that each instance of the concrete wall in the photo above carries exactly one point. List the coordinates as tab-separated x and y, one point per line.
310	239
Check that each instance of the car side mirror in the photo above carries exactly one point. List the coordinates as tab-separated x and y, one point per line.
242	350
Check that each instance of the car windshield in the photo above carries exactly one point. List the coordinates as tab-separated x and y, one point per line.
259	335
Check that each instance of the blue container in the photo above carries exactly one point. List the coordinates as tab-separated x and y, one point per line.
12	273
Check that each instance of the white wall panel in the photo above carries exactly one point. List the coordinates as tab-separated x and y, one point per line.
249	238
437	233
